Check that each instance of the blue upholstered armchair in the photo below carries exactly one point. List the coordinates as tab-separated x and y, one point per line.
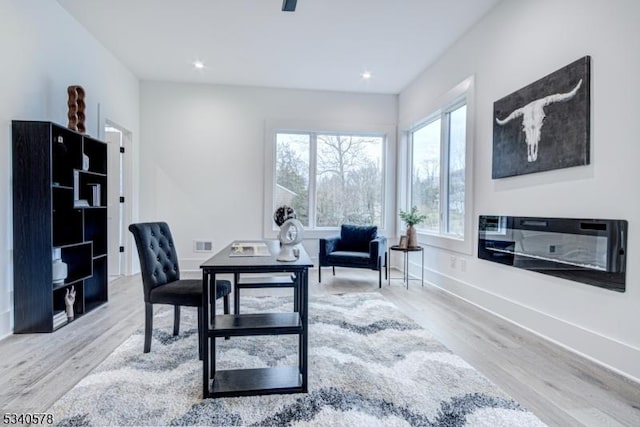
357	247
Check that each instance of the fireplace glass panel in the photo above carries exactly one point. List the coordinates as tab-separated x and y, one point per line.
584	250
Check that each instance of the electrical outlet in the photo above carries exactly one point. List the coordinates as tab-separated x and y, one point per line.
452	262
463	265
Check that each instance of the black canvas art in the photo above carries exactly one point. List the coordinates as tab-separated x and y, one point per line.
544	125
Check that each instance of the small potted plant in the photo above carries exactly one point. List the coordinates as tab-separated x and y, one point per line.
411	218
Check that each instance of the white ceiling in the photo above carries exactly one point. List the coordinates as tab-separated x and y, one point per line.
324	44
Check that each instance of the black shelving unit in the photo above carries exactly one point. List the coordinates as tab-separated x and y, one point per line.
54	208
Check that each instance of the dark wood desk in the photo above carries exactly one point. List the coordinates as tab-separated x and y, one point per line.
245	382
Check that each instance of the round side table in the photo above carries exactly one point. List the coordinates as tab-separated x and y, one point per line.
405	263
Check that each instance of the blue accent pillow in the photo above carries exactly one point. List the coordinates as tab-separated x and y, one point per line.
357	237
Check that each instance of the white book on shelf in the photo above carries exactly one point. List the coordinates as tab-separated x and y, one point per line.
76	185
60	322
59	317
95	194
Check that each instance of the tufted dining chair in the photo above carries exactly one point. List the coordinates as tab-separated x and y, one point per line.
161	278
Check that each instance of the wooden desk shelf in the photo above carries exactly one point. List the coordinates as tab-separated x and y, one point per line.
256	324
248	382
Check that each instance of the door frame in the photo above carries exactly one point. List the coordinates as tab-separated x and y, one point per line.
127	143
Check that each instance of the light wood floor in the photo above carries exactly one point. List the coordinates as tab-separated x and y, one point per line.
561	388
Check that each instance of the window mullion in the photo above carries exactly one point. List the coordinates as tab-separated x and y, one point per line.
313	161
444	173
410	171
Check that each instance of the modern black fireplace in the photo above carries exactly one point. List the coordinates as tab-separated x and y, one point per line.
591	251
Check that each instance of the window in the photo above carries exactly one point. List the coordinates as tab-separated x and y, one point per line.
437	182
330	178
292	174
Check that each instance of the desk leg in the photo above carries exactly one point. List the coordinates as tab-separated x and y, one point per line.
296	293
213	339
204	342
304	311
422	265
298	296
236	294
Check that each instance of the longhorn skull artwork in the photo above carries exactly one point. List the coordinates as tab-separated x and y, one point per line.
533	117
551	117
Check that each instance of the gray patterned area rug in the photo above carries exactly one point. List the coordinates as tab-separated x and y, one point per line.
369	365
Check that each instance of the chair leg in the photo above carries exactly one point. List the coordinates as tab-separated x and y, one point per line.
379	272
148	326
176	320
225	304
319	273
201	333
386	266
212	301
334	269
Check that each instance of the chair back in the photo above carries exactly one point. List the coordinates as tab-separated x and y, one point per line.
357	237
157	253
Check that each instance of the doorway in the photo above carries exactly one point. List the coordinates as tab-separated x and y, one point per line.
118	147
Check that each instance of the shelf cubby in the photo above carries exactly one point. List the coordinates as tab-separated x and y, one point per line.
95	229
86	181
66	154
78	304
79	260
95	293
65	218
96	151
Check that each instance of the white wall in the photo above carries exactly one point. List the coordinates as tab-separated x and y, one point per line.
515	44
44	50
203	148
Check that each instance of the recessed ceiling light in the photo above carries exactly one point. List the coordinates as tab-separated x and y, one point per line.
366	75
198	64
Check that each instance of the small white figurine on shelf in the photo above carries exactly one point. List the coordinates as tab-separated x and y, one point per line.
69	299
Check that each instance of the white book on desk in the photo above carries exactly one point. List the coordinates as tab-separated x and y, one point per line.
249	249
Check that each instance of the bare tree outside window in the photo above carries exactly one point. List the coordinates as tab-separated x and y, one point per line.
425	189
457	152
349	180
292	174
438	171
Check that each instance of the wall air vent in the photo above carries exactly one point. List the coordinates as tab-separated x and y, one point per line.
202	246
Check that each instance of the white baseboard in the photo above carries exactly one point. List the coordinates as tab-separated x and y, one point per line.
614	355
5	324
